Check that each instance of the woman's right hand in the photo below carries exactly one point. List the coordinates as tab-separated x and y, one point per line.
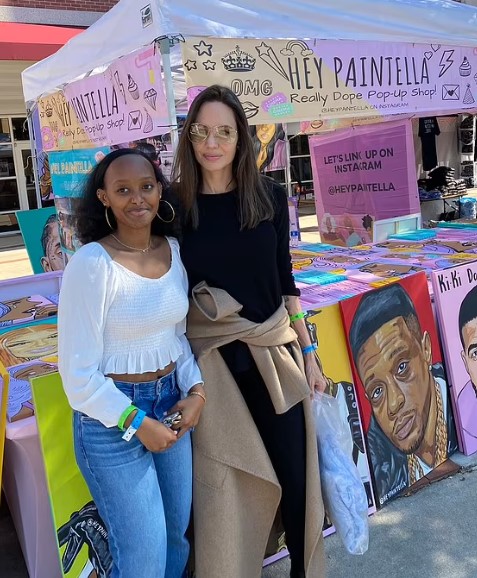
155	436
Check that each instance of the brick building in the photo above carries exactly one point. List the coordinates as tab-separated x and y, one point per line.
30	30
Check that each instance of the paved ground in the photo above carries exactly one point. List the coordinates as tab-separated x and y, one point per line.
428	535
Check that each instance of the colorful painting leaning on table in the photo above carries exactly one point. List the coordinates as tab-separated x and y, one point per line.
393	341
127	368
38	340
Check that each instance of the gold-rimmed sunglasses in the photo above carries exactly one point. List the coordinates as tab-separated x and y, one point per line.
200	133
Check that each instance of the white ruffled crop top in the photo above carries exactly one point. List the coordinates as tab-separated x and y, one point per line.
113	321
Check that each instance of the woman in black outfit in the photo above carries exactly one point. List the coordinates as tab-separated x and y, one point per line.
236	238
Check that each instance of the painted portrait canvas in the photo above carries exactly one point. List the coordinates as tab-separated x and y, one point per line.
269	145
26	309
401	383
37	340
41	235
455	294
81	533
20	402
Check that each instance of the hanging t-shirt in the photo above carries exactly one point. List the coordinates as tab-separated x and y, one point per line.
428	130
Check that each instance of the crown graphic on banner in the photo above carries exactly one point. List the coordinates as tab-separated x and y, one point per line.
238	61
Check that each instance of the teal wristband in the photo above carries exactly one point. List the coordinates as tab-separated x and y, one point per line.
124	416
309	348
135	425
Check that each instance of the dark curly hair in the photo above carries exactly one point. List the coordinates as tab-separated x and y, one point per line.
91	222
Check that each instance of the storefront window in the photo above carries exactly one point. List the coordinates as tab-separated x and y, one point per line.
300	168
301	175
7	165
278	176
299	145
17	177
20	128
9	200
27	161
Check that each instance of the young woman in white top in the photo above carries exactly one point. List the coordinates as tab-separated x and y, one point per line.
126	364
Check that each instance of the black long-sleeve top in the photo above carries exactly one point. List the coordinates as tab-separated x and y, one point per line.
252	265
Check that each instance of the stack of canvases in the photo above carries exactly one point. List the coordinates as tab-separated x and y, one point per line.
390	358
28	347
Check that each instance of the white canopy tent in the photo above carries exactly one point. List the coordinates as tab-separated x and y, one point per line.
132	24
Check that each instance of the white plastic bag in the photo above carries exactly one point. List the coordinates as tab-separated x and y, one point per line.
344	495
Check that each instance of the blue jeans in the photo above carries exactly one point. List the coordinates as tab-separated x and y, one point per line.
144	498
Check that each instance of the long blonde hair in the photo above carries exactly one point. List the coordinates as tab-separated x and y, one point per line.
255	204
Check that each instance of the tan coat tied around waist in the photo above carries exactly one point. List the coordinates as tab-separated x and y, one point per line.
236	491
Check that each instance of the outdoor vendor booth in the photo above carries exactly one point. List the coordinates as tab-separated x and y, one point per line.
123	81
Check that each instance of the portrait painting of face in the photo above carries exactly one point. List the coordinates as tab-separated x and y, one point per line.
401	384
20	402
388	270
449	247
401	256
53	258
406	246
330	261
24	309
35	341
46	190
41	235
81	534
455	295
66	208
269	146
352	230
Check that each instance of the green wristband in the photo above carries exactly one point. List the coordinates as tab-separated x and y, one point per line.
124	416
297	316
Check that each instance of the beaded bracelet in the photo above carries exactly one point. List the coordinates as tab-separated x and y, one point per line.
124	416
297	316
309	348
199	394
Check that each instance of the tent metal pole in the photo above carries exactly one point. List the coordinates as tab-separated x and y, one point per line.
165	48
34	154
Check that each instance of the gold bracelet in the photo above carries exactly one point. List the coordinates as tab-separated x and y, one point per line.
199	394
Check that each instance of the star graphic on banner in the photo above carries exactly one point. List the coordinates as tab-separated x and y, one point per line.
203	48
209	65
191	65
262	49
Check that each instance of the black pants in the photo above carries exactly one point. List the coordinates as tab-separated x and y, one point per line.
284	438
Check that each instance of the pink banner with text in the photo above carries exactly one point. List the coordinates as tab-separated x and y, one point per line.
303	80
124	103
362	175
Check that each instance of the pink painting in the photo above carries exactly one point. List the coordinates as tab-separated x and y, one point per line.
455	294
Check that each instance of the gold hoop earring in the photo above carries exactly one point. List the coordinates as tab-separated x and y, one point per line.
172	210
107	218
